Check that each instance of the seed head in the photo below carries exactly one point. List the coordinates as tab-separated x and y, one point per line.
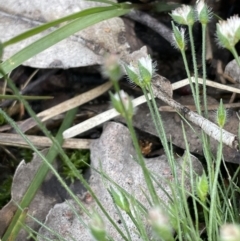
228	32
183	15
179	40
230	232
204	13
146	69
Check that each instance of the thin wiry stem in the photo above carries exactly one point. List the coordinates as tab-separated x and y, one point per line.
204	28
214	194
189	76
190	30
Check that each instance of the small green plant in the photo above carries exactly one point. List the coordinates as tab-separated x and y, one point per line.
2	120
5	191
80	159
26	154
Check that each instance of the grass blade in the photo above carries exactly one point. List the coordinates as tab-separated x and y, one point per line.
56	36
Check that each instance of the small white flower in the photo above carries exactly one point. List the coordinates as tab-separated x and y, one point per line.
200	5
133	68
146	70
123	104
124	97
182	11
229	27
228	32
204	13
160	222
111	67
230	232
146	62
141	74
183	15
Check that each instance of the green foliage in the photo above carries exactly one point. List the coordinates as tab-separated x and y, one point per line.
1	50
26	154
5	191
2	120
80	159
221	115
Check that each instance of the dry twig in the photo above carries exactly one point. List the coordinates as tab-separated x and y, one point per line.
112	113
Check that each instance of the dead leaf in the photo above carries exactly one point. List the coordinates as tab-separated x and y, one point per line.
82	49
233	70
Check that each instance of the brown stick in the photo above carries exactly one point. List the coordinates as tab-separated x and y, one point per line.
207	126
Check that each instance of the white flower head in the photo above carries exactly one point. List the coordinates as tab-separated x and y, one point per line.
97	227
230	232
204	13
160	222
125	99
122	102
141	73
228	32
146	69
200	5
111	67
183	15
146	62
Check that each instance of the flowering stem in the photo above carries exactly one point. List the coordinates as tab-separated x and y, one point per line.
152	112
205	138
204	28
190	27
235	54
160	127
214	192
141	160
189	76
142	163
188	160
143	235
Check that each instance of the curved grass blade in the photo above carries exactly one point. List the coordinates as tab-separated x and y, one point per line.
14	226
26	97
56	36
104	1
39	29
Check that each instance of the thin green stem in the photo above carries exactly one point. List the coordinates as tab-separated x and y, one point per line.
206	218
188	158
138	226
146	173
189	76
156	117
160	127
235	54
190	30
141	160
204	29
60	151
214	195
42	170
